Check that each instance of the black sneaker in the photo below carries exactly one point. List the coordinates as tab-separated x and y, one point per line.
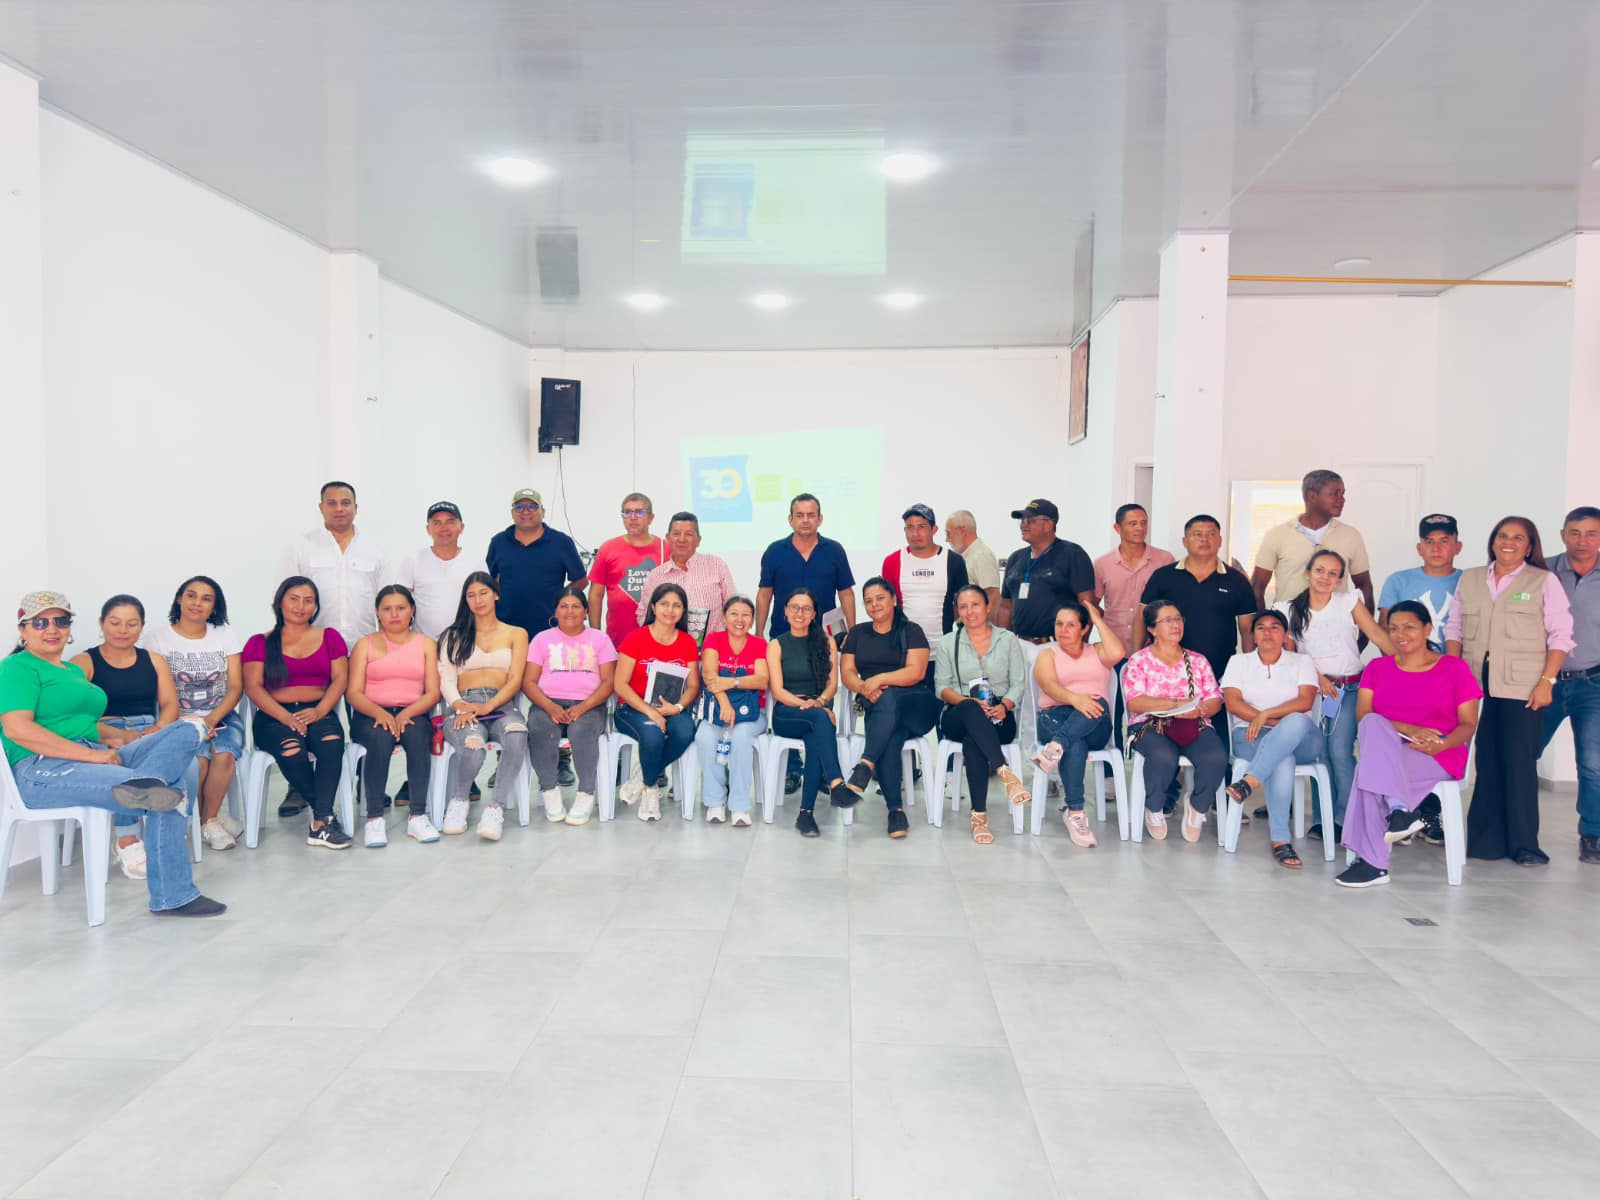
1531	858
1260	814
1588	849
329	837
474	794
403	796
150	795
898	825
806	823
1432	831
293	803
1316	832
1361	874
564	775
200	906
1402	824
860	776
791	783
841	796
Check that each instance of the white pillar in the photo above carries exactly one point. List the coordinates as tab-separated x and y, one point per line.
1191	352
25	564
354	362
1583	420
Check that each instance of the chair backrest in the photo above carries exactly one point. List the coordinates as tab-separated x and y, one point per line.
1113	684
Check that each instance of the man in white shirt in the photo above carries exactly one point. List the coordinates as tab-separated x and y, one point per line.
437	573
983	568
926	577
347	569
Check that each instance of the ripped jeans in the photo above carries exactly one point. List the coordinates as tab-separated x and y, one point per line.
314	775
506	726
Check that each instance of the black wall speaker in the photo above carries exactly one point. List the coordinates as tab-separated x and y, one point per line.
558	413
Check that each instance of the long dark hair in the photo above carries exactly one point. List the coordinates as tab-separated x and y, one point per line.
273	671
219	609
456	642
816	639
1535	550
664	589
1300	606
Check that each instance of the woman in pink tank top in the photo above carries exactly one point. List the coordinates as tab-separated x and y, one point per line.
1073	682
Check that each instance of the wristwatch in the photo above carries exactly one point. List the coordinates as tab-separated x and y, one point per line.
1550	679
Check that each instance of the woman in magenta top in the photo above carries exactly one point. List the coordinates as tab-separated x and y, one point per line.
1171	697
663	730
734	667
1416	714
295	676
394	684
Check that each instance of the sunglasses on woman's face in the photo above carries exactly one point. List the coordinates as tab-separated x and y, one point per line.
40	624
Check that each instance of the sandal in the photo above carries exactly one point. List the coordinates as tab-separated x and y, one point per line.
1016	790
1240	792
980	829
1284	853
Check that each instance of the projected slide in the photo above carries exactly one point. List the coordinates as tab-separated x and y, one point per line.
813	202
740	486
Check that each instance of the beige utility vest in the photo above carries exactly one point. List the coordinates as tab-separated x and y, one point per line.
1509	629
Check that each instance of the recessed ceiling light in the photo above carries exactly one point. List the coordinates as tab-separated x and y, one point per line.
906	167
771	301
1352	264
515	172
900	301
645	301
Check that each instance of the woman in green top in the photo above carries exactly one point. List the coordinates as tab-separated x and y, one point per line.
980	673
49	714
803	674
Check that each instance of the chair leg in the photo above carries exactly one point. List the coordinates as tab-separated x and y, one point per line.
1133	830
68	832
1455	841
96	852
49	856
1013	758
1119	789
1325	808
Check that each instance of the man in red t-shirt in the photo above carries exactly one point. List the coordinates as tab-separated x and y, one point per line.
616	580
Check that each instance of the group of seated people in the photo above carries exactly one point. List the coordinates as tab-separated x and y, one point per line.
136	728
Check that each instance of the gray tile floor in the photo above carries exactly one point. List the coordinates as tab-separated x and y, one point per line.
683	1010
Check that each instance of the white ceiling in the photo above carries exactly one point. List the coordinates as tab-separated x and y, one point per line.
1437	138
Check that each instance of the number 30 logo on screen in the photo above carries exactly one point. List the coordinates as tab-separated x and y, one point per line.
719	486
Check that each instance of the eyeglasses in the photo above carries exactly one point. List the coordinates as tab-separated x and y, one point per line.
524	507
40	624
1170	621
636	512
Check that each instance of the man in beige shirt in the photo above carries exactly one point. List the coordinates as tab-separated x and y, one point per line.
983	568
1286	550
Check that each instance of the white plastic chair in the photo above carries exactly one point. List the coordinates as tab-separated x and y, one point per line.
772	753
1136	799
1306	775
1453	817
258	764
948	760
1109	756
685	773
918	751
96	824
355	752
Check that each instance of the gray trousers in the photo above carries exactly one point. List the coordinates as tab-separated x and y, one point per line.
544	747
470	743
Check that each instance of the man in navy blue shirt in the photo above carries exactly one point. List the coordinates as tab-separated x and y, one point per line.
532	563
804	559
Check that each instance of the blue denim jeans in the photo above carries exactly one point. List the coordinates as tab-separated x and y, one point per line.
813	727
1340	754
728	785
1295	739
1579	699
1078	735
657	750
127	823
46	783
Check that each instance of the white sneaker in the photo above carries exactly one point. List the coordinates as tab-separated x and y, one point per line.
131	858
1155	823
377	832
581	810
216	837
633	787
649	805
420	829
717	815
491	821
1194	821
741	820
555	808
234	826
455	817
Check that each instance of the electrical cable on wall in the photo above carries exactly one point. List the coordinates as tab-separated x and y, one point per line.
566	513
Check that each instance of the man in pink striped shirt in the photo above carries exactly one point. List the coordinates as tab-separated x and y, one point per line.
705	578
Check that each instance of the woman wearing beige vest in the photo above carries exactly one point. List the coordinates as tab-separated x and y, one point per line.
1512	624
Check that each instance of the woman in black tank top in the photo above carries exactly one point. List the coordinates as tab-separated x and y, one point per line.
140	698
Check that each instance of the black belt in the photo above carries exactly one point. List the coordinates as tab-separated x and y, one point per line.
1583	674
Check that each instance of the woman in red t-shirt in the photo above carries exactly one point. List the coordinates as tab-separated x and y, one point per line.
665	729
734	663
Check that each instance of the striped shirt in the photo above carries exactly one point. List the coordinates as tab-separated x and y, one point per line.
706	580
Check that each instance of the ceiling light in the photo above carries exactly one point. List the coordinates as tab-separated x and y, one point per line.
901	301
771	301
645	301
1352	264
515	172
908	167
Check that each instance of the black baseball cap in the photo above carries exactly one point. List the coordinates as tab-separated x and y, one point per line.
1437	523
439	506
1038	508
920	510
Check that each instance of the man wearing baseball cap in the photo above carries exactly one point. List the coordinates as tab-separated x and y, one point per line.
1433	584
437	573
532	563
925	577
1044	574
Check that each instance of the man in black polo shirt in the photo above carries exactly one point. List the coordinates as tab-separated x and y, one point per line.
1042	576
532	563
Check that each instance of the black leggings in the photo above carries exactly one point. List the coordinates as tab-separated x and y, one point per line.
416	741
316	777
901	713
980	740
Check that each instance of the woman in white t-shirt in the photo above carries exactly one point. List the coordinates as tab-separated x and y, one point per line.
1327	625
1269	694
203	654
